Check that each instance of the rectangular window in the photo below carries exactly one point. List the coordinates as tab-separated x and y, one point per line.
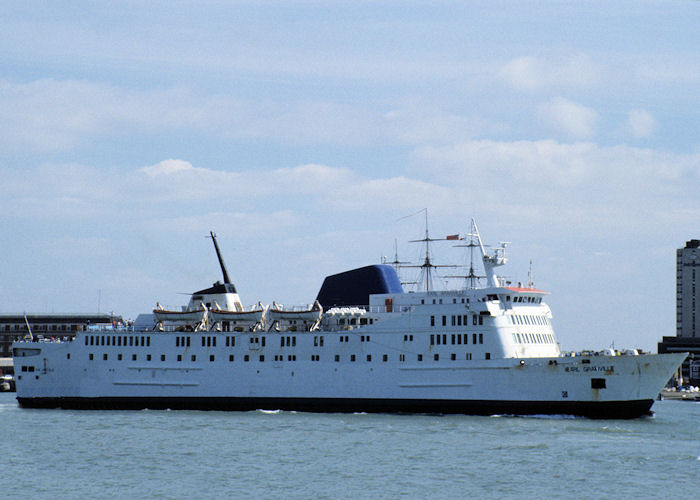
230	357
211	357
453	339
436	357
474	338
444	339
262	358
246	358
337	357
487	355
481	338
179	357
194	357
474	319
444	321
454	320
420	357
352	357
597	383
162	357
188	342
453	356
92	356
432	339
432	321
385	358
294	341
104	356
133	357
369	357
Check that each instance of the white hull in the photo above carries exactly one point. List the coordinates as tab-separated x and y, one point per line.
536	385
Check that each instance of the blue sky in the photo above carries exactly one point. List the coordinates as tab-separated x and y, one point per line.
301	132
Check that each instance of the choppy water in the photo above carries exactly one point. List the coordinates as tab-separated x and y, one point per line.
179	454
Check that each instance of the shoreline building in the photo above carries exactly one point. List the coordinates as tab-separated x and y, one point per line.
47	325
687	337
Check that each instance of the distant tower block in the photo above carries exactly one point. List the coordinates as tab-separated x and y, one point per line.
687	296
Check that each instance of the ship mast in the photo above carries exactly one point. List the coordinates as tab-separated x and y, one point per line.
212	235
427	266
398	264
471	279
498	258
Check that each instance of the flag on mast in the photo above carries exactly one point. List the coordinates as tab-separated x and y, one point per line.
452	237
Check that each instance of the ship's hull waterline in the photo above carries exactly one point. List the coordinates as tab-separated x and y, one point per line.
590	409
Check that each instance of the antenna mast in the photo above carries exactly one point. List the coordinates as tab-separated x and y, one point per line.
212	235
471	278
427	266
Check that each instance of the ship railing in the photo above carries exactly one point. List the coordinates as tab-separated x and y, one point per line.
395	308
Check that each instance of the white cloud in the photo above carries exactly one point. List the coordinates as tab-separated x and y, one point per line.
618	189
167	167
56	115
533	73
570	118
640	123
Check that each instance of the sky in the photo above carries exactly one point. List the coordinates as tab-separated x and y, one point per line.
306	135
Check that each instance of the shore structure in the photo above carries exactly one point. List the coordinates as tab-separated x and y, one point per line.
17	326
687	337
364	345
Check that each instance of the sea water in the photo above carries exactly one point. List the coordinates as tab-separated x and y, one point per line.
260	454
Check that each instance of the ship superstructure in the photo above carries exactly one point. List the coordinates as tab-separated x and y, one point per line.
364	345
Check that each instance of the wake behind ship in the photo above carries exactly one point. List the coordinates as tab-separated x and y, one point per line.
365	345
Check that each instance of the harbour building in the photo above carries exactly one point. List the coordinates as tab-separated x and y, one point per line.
687	337
48	325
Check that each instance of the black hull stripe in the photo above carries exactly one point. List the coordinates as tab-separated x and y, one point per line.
608	409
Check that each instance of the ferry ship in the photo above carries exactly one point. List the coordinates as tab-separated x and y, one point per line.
365	345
